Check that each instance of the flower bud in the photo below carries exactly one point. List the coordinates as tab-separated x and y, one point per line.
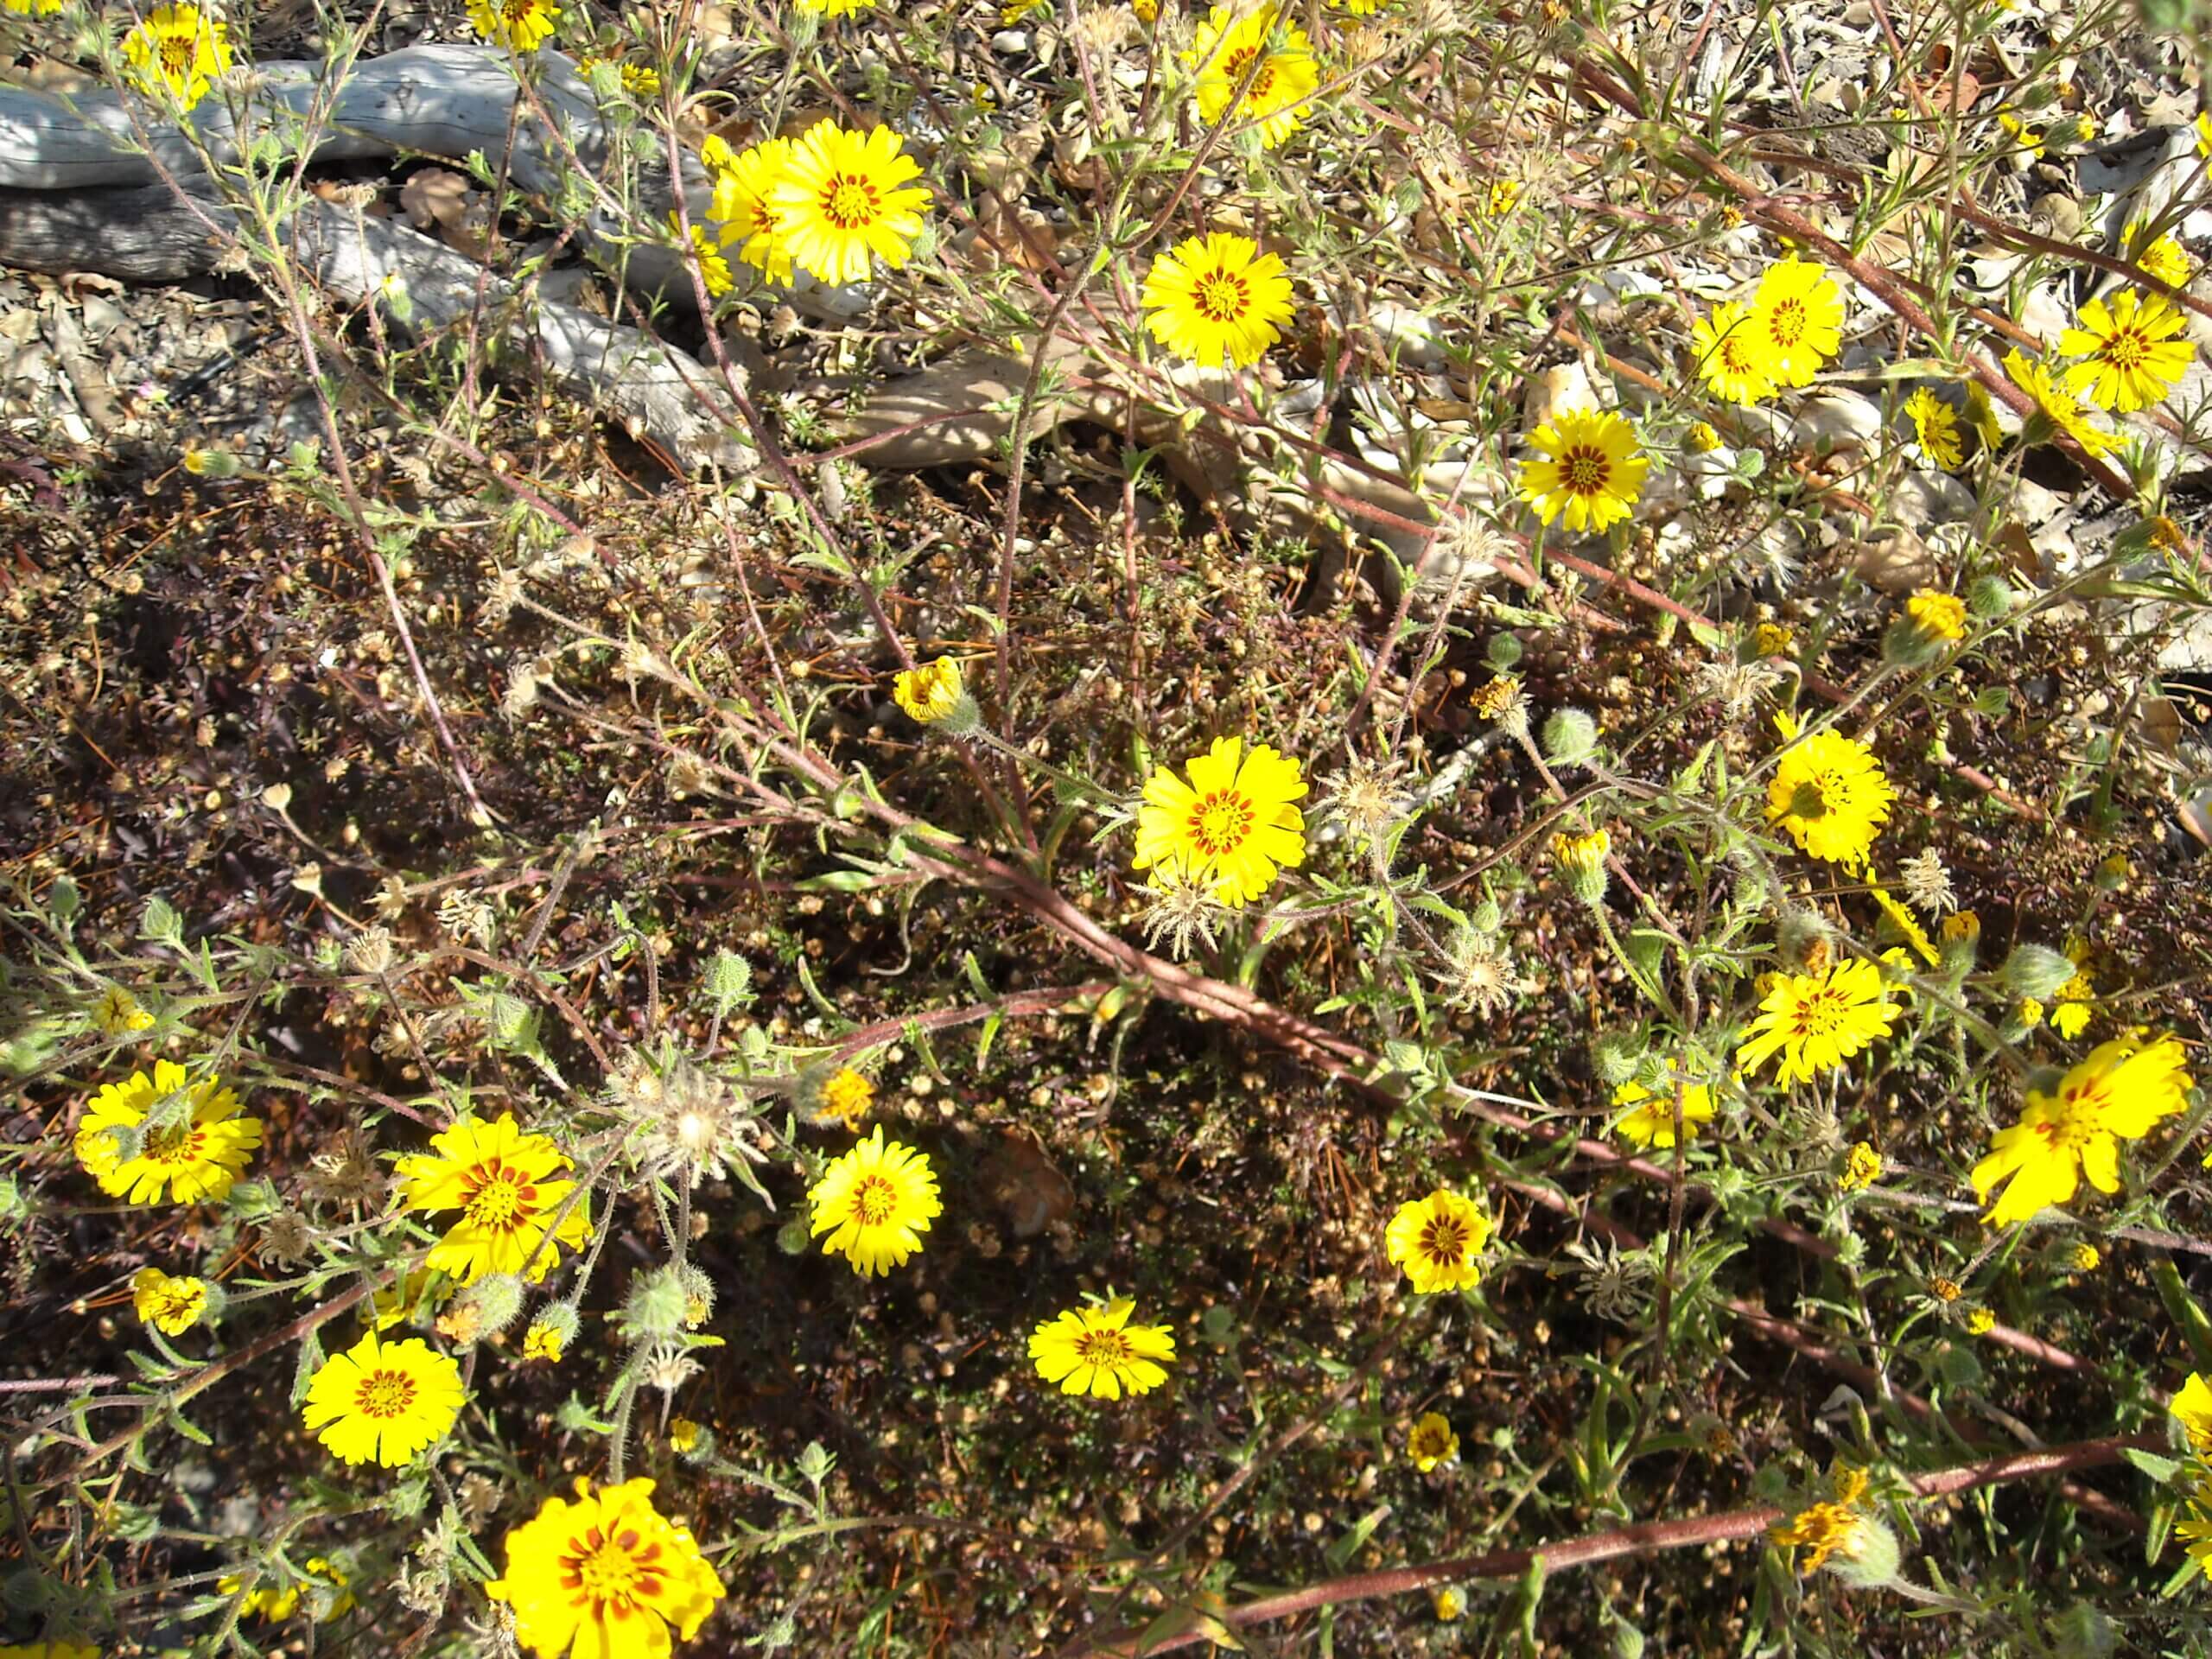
934	695
656	1309
1570	738
2033	970
728	983
1581	860
494	1300
1991	597
1618	1056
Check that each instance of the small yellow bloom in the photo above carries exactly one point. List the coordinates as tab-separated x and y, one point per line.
1908	927
1771	639
2071	1015
1432	1442
1438	1241
2118	1093
2059	407
2134	357
1589	467
833	7
932	693
275	1602
501	1180
1862	1167
714	269
386	1402
2166	259
1217	296
1980	1322
1702	439
846	1096
2192	1408
1651	1121
1831	1528
844	201
2086	1258
1227	44
1449	1604
1233	828
1936	428
1940	616
1797	317
118	1012
197	1154
606	1572
1096	1351
2204	136
519	25
682	1435
1817	1022
2029	1013
541	1341
875	1203
172	1306
1735	356
1829	792
1962	927
743	180
2195	1528
2017	131
1495	696
179	49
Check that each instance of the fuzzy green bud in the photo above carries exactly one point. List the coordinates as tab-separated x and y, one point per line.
2034	971
1871	1559
1618	1056
656	1309
1570	737
1502	653
494	1300
730	982
1486	917
793	1238
1991	597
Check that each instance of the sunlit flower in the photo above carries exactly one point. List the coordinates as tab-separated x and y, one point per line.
2086	1258
1449	1604
1818	1021
934	694
606	1572
1591	468
2194	1528
179	47
875	1203
1797	317
1826	1529
1438	1241
541	1341
1940	616
2192	1407
714	269
1936	428
1828	792
2166	259
682	1435
172	1306
519	25
1980	1322
29	9
1216	295
2118	1094
118	1012
846	1095
276	1602
1862	1167
1908	927
385	1402
501	1179
1096	1351
638	80
196	1152
1734	357
2060	408
832	8
1286	77
1233	827
742	182
1432	1442
1650	1123
2020	133
2073	1005
843	202
2133	358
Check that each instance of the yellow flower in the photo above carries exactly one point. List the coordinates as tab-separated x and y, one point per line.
1980	1322
1735	357
2030	1013
1963	927
180	47
2060	408
1432	1442
172	1306
833	7
875	1203
846	1096
519	25
1216	295
2195	1526
2166	259
383	1402
2086	1258
639	81
2071	1018
1449	1604
932	693
1652	1122
1830	1528
1908	926
714	269
1936	428
1772	639
1862	1167
1701	439
2204	136
118	1012
1096	1351
1829	792
1592	468
1944	1290
541	1341
742	181
1232	828
683	1434
842	201
29	9
197	1153
2017	130
1438	1241
499	1178
608	1572
1222	55
2193	1407
276	1602
1817	1021
2117	1094
1798	319
1502	195
1940	616
2133	360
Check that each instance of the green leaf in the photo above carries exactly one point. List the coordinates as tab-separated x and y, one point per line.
2162	1470
1340	1553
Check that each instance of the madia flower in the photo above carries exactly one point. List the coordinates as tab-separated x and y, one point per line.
196	1152
1816	1021
2059	407
2117	1094
875	1203
171	1305
1591	469
934	695
118	1012
1432	1442
1286	78
1438	1241
1232	827
179	47
384	1402
608	1572
2192	1409
1835	1528
1797	316
519	25
714	269
1936	428
842	201
1215	296
1829	792
1096	1351
1650	1120
2133	360
739	207
1735	359
499	1178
